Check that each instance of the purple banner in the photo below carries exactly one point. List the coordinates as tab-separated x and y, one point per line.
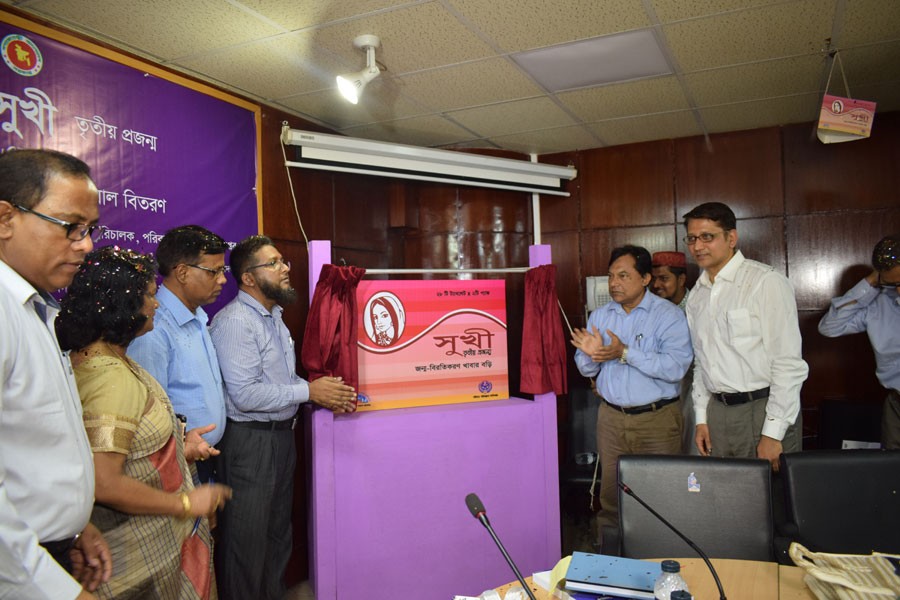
162	155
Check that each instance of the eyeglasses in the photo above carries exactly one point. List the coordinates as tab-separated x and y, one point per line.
273	264
706	238
216	272
74	231
887	285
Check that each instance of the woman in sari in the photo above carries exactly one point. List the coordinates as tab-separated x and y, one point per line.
147	507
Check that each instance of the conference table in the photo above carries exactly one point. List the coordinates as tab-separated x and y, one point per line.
741	580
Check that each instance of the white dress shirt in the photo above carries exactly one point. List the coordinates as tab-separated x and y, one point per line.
46	466
746	337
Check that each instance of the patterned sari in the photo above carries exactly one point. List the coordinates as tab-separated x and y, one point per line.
127	412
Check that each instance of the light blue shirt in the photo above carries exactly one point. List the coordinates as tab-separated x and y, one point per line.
659	352
179	353
258	362
877	312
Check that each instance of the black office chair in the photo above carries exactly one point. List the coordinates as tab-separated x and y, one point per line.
724	505
843	501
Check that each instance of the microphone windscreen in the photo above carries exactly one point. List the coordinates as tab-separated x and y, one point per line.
475	505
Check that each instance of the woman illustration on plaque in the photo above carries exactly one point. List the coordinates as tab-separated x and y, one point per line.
384	321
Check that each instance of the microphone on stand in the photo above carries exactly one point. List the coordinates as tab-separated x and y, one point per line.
478	511
696	548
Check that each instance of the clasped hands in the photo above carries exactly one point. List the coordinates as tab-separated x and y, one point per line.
591	343
332	393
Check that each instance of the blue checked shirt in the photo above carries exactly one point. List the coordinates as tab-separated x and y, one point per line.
659	352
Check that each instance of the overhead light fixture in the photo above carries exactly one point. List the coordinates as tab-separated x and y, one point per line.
352	85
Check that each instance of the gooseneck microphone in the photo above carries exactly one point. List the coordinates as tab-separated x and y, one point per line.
696	548
478	511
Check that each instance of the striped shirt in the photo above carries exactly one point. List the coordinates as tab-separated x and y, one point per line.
256	354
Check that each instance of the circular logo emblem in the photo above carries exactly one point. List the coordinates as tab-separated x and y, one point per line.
21	55
362	399
485	386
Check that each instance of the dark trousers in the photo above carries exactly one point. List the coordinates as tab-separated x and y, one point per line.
255	526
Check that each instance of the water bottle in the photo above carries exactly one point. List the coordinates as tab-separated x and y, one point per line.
681	595
669	581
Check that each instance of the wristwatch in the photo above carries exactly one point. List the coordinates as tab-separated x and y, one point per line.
624	358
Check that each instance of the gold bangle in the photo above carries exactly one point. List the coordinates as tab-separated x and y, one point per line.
185	505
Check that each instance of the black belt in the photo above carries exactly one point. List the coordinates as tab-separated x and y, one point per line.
60	550
266	425
636	410
736	398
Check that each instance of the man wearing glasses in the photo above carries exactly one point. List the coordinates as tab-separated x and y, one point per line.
48	220
873	306
178	352
256	354
748	369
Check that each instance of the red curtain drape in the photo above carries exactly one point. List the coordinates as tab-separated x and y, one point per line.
329	343
543	344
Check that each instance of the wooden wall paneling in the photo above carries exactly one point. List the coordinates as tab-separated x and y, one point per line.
437	206
431	251
839	368
485	209
313	188
741	169
629	185
597	244
493	250
763	241
561	213
864	174
564	247
830	252
361	211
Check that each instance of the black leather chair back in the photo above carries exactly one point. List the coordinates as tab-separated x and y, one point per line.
724	505
844	501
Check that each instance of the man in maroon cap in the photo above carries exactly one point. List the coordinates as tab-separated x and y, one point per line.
670	282
670	277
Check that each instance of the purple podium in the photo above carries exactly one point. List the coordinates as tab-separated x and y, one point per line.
388	514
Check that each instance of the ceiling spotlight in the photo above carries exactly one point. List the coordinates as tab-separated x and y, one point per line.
351	85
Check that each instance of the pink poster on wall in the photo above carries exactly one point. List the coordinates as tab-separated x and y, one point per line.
429	342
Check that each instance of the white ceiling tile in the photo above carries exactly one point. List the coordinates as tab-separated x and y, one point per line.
661	94
273	68
413	38
380	102
773	31
548	141
678	10
523	24
469	84
512	117
756	80
868	64
419	131
163	28
867	21
762	113
293	15
645	128
746	63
